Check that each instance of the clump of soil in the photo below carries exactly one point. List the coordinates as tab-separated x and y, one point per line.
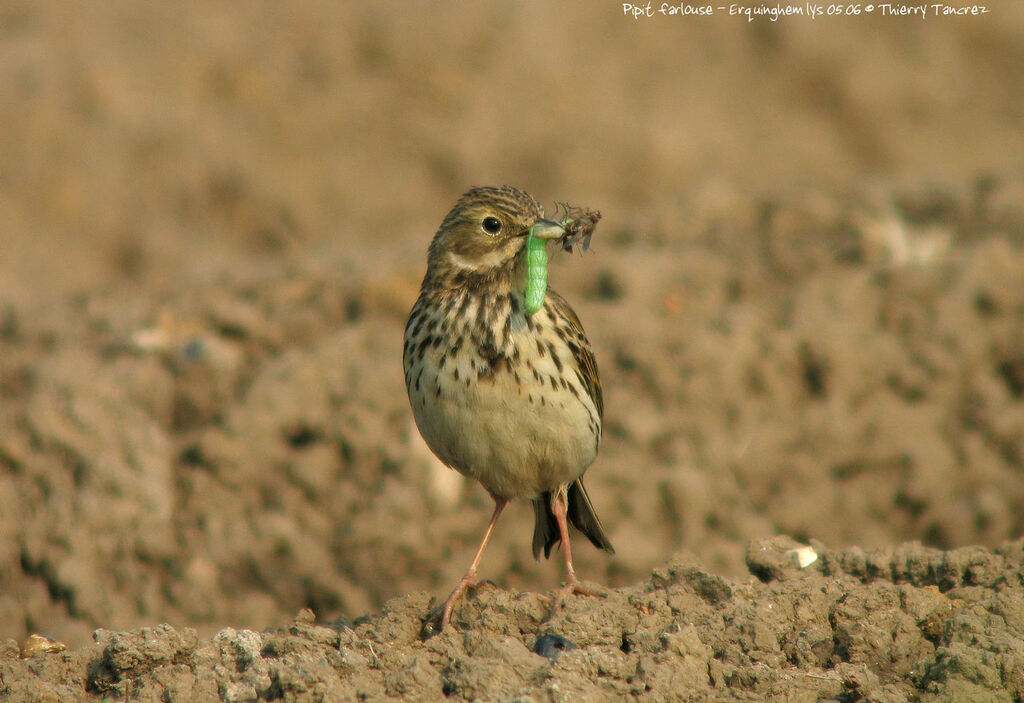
884	626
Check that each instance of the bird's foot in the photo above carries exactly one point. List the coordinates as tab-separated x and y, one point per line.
439	618
572	587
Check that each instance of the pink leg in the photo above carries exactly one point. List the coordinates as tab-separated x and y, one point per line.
572	584
470	578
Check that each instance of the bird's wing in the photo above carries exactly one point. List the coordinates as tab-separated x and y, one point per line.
576	340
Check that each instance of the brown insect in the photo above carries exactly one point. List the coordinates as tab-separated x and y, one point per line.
579	224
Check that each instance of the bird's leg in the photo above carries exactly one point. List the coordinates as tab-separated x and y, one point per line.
470	577
572	585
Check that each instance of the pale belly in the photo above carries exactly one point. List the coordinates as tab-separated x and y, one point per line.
517	439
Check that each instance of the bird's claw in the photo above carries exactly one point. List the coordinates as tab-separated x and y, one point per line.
439	617
569	588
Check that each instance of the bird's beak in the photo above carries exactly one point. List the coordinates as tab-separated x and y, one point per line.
547	229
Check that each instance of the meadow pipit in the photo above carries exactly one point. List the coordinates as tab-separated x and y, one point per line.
511	399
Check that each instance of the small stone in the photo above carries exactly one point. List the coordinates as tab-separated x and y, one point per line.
551	645
41	644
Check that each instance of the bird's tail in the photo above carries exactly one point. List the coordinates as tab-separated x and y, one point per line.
581	516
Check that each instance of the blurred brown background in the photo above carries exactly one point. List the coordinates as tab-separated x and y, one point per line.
806	295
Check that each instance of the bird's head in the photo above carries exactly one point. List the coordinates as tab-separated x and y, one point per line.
484	233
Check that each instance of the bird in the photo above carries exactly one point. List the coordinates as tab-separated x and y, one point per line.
509	398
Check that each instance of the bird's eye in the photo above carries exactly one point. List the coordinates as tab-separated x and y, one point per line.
492	225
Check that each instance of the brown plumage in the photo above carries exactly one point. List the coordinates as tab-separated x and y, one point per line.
510	399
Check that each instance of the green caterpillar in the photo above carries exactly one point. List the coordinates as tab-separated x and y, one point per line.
536	272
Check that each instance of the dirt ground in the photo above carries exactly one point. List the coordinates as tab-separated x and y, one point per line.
806	298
